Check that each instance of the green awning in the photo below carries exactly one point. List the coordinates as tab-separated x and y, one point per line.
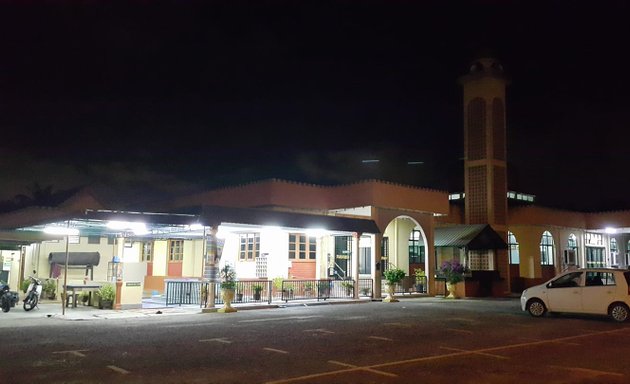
473	237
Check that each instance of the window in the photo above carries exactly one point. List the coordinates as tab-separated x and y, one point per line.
384	254
570	254
546	249
94	239
480	260
111	240
416	247
614	251
599	278
365	260
569	280
594	257
594	239
176	250
302	247
147	251
250	246
513	249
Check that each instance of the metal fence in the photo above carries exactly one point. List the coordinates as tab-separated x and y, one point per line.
265	291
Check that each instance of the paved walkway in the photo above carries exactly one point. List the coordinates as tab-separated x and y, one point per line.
151	307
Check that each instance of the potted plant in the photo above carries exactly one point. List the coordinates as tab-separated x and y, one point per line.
49	287
453	272
421	277
393	277
257	290
308	288
106	295
348	285
228	285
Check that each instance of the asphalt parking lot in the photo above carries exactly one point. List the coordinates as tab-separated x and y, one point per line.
429	340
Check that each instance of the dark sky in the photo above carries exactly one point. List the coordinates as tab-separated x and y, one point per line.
172	96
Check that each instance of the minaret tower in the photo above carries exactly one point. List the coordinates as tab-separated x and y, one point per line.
485	165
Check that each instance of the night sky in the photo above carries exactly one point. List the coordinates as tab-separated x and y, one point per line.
156	98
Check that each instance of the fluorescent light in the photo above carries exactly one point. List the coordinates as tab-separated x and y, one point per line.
65	231
610	230
136	227
195	227
316	232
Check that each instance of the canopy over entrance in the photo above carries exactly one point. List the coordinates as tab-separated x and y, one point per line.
472	237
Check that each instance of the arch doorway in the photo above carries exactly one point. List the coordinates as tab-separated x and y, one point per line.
404	246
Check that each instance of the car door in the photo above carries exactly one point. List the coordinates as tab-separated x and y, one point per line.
564	294
598	292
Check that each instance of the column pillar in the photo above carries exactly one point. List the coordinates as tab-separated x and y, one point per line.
376	270
355	262
210	267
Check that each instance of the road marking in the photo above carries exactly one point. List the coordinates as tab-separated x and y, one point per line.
380	338
476	353
275	350
461	319
439	357
398	325
117	369
279	318
353	318
217	339
589	371
366	369
76	352
318	330
460	330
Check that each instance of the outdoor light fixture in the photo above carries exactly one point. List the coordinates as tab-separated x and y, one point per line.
195	227
136	227
610	230
65	231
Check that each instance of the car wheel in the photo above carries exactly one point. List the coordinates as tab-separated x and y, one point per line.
619	312
536	308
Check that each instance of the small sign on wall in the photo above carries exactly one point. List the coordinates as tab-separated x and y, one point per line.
133	284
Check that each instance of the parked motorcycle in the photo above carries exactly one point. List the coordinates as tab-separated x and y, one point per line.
33	293
8	298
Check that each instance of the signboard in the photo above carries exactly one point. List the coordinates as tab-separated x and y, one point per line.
133	284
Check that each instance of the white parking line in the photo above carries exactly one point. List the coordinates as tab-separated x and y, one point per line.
380	338
448	355
475	353
118	369
460	330
76	352
592	372
217	339
275	350
279	318
366	369
318	330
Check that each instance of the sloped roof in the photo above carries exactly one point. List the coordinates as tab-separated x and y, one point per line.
471	236
215	214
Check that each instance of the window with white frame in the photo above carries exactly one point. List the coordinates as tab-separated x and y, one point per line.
546	249
513	248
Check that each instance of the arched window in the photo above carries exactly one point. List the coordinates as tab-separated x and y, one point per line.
513	244
546	249
614	252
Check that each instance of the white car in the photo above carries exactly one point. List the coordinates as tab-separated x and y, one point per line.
599	291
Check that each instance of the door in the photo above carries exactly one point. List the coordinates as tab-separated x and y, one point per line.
599	291
564	294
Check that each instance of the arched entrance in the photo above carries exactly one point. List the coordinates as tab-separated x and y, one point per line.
404	245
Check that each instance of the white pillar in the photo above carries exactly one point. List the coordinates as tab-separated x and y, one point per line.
355	262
